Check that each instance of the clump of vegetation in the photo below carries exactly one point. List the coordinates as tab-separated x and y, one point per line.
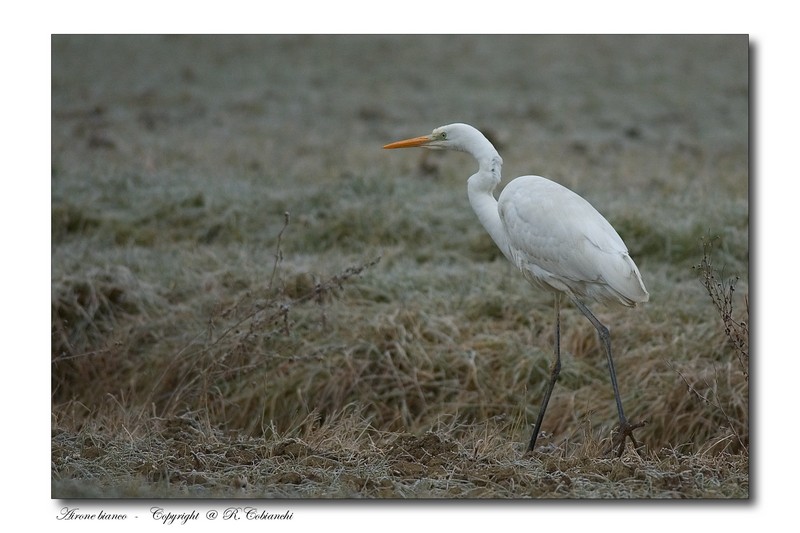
107	326
721	291
717	387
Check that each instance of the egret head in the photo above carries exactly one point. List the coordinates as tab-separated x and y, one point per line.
451	137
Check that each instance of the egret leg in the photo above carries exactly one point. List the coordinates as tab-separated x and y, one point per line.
555	369
626	428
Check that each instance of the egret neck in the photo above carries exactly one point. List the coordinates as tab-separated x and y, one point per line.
480	188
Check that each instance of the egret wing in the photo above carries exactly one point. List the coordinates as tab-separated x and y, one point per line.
561	242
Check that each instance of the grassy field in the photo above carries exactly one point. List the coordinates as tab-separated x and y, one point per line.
250	298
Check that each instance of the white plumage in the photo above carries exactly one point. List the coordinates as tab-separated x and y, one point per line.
556	238
561	243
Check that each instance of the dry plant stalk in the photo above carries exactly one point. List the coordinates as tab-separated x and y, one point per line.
721	293
276	299
261	315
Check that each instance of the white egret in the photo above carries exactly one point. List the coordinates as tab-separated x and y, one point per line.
556	238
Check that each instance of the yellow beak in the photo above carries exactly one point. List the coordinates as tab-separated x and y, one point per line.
410	143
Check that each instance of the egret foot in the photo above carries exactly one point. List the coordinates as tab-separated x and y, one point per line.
623	432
